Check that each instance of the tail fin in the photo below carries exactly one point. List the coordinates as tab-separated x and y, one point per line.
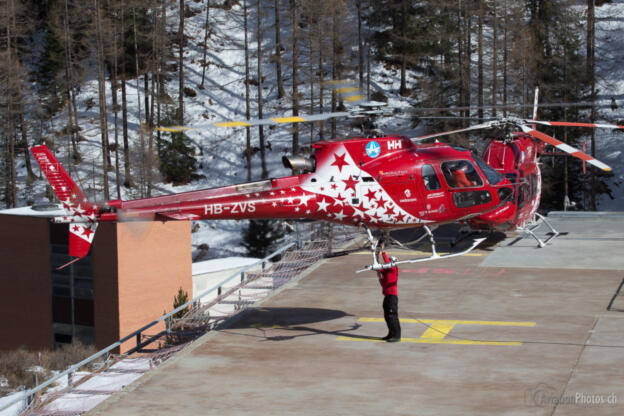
72	198
82	213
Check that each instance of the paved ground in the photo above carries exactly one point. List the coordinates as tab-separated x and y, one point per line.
478	338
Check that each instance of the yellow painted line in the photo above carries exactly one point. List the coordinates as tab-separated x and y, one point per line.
439	341
232	124
288	119
416	252
261	326
453	322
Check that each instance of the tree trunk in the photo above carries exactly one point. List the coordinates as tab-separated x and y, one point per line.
321	76
30	175
116	117
403	88
295	74
278	52
265	173
247	100
467	58
72	113
311	80
11	189
358	5
480	62
505	57
335	70
128	182
591	78
205	48
102	99
181	64
460	54
494	57
143	179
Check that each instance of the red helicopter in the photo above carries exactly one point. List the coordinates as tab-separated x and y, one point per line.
379	183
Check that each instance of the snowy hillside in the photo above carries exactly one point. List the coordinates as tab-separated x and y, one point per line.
220	151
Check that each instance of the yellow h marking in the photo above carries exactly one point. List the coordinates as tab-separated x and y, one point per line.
438	329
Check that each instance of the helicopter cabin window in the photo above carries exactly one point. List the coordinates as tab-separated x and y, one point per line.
430	178
522	192
461	174
533	185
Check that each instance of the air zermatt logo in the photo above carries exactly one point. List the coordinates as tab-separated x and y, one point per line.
373	149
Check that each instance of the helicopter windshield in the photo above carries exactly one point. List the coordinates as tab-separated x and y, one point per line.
491	175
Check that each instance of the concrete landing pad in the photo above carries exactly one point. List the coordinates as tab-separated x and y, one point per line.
588	241
476	340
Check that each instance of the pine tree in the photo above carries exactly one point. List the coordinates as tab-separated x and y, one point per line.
261	237
180	299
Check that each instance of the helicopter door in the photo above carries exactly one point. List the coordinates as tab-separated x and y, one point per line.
435	199
466	186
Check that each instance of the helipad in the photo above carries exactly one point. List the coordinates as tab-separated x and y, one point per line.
479	337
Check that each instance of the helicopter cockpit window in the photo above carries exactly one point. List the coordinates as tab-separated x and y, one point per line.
491	175
512	177
461	174
430	178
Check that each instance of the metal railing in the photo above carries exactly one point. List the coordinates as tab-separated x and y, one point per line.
30	394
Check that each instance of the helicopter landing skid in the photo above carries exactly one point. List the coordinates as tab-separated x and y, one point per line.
376	266
552	234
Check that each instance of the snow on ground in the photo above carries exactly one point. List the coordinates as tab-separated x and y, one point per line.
226	263
15	408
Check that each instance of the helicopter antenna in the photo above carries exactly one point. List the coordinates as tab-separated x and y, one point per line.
535	100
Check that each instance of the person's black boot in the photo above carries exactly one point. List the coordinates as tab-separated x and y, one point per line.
394	339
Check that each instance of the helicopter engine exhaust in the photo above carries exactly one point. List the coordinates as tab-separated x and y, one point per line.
299	164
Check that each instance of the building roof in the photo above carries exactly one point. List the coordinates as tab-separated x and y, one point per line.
40	210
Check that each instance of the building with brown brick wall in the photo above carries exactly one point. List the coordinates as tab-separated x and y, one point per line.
129	278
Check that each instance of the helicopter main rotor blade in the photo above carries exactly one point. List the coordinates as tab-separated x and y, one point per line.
260	122
508	107
446	133
282	120
564	147
574	124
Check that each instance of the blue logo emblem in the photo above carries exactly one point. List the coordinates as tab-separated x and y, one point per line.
373	149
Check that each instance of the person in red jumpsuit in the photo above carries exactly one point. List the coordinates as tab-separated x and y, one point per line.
459	175
388	279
